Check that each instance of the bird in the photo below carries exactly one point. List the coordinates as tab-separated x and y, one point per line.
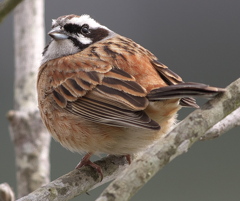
101	92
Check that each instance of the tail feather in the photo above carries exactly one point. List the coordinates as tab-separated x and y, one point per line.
188	102
184	91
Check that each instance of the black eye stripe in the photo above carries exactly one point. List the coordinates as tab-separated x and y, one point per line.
72	28
94	35
76	29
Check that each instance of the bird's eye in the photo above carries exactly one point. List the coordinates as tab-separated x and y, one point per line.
85	29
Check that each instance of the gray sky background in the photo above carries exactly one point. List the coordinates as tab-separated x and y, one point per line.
199	40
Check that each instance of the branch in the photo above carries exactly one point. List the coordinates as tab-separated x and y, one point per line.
177	142
31	142
6	7
6	192
29	136
80	181
229	122
132	178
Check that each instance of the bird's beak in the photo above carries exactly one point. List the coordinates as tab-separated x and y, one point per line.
57	34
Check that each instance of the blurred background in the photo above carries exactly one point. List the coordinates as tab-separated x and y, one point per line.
200	41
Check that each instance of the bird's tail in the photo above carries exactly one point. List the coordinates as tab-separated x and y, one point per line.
185	91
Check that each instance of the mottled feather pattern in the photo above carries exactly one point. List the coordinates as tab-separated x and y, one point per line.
70	84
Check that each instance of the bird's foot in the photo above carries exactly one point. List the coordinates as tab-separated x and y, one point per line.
128	157
86	161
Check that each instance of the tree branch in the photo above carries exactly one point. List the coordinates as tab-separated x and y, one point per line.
31	142
6	193
30	137
80	181
6	7
229	122
133	177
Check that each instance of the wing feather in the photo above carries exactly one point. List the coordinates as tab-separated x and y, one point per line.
110	96
104	113
166	74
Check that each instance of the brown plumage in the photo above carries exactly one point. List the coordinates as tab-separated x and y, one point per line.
100	92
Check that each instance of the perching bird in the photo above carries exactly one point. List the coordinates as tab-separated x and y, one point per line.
100	92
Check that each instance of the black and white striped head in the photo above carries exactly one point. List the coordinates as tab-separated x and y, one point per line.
72	33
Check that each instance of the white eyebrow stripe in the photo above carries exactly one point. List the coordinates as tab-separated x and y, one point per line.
85	19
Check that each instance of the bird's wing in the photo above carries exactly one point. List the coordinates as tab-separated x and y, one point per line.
97	91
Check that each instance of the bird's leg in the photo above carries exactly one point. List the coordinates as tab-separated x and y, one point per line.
86	161
128	157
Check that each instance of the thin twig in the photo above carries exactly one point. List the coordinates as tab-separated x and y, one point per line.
6	7
6	192
231	121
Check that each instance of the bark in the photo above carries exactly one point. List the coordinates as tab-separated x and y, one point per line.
231	121
79	181
30	138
